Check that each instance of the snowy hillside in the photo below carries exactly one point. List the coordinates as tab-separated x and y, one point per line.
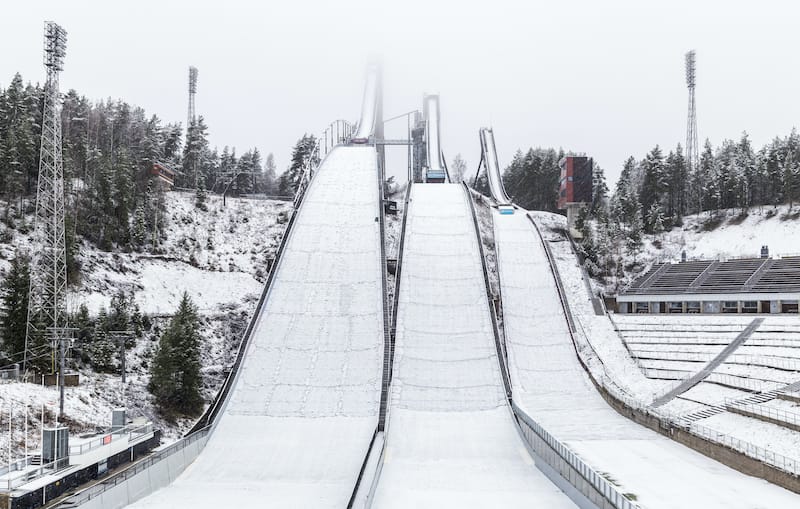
220	258
722	235
217	256
730	235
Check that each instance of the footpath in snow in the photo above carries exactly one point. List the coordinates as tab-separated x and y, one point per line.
305	405
451	441
550	384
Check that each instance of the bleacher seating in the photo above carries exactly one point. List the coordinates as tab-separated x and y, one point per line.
710	276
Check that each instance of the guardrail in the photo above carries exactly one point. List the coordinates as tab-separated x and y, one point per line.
782	363
594	478
776	414
501	356
779	461
387	332
399	269
747	384
98	489
130	432
25	476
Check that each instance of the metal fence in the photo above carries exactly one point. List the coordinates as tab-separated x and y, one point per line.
532	429
118	478
779	461
775	414
24	476
783	363
131	432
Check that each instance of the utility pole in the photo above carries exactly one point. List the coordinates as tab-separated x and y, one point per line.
60	337
121	336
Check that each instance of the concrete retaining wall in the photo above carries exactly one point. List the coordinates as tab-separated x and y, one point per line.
564	469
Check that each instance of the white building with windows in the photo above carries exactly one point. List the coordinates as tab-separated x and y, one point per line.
753	285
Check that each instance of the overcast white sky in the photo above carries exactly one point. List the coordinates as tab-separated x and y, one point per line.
605	78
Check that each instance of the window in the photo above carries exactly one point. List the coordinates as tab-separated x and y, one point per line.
676	307
730	306
789	306
750	306
642	307
693	307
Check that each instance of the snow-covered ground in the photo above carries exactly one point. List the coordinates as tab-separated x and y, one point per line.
552	386
450	440
217	256
725	235
602	345
686	343
301	415
224	283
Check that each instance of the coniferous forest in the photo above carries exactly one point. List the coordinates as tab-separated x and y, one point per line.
654	193
113	202
109	148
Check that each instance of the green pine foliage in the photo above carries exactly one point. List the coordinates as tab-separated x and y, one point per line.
531	179
14	296
175	373
289	180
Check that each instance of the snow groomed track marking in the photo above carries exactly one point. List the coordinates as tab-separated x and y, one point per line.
451	440
551	386
300	418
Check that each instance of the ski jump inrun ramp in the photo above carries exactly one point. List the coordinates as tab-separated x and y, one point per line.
304	407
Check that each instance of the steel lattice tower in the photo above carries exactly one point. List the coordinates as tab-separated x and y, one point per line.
48	283
191	118
692	150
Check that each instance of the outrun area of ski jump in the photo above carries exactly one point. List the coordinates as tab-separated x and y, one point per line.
551	386
451	441
301	415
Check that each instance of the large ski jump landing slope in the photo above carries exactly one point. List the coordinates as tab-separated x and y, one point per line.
451	441
305	404
551	386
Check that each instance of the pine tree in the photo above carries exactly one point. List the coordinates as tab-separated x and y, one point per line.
269	186
102	351
458	169
175	374
654	183
289	180
200	197
14	297
599	191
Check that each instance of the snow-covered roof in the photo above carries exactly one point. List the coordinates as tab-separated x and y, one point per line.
752	275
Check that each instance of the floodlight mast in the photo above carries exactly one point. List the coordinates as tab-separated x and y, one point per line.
48	268
692	148
191	120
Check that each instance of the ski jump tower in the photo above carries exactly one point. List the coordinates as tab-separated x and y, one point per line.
48	277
